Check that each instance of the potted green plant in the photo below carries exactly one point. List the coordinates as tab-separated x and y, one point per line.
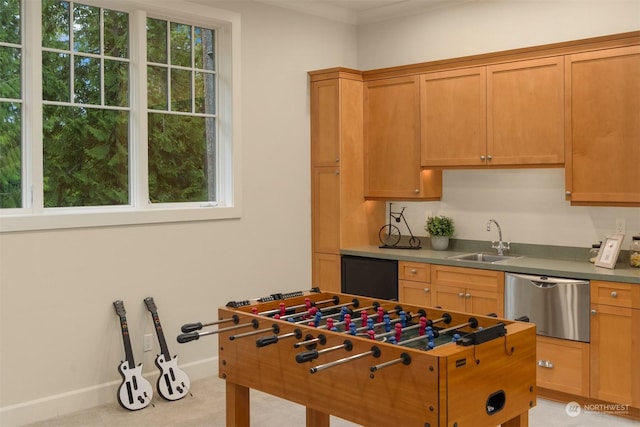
440	228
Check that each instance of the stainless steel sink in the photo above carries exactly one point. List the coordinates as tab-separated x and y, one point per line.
483	257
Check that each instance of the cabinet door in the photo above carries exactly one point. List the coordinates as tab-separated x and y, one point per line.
392	142
525	112
326	210
483	302
454	117
325	123
603	127
615	354
326	272
563	365
417	293
449	298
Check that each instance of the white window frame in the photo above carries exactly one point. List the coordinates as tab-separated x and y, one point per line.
229	205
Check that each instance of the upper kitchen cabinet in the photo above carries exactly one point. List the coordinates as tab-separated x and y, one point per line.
392	143
508	114
325	123
602	138
454	118
525	113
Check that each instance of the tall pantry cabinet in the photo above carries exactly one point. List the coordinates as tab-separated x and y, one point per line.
340	215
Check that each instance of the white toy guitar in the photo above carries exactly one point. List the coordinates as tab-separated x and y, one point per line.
173	383
135	392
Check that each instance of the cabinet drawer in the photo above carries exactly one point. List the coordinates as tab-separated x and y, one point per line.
468	278
615	293
563	365
414	271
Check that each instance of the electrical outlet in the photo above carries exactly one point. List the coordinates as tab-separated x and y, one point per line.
148	343
620	226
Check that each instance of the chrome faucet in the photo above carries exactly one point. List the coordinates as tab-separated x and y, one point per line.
500	245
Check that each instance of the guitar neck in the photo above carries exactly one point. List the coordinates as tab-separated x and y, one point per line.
164	349
127	342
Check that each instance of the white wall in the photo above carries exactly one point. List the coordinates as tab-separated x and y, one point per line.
59	334
529	204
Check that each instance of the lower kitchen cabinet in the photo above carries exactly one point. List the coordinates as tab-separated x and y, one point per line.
469	290
615	347
563	365
414	283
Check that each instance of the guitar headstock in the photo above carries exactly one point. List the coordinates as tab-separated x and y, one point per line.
119	306
151	306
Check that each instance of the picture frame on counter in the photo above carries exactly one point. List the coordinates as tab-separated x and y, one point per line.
609	251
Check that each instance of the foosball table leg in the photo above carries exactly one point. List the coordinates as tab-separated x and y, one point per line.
317	418
521	420
238	409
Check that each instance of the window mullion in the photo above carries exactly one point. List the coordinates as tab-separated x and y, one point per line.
138	140
33	192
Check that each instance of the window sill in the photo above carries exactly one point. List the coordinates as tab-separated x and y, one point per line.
85	218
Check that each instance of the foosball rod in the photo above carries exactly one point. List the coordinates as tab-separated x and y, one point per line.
375	352
274	328
473	322
190	327
334	300
336	315
355	303
307	356
405	359
264	341
191	336
397	309
321	339
446	318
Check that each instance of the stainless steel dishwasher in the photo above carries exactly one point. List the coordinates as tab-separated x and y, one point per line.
559	307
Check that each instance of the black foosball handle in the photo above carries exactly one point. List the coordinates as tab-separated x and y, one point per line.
189	336
265	341
190	327
306	356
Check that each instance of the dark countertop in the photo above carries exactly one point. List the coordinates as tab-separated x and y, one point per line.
556	267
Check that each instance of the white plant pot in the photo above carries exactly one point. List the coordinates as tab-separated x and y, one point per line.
439	243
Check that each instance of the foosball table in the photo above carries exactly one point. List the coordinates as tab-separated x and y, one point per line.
374	362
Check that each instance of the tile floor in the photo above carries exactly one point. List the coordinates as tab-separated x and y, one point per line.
205	407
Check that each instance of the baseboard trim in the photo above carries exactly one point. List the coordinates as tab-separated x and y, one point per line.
89	397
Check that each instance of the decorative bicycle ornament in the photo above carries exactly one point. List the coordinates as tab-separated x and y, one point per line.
390	235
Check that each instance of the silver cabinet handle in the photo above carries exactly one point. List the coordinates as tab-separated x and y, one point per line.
545	364
417	190
567	193
489	158
337	160
594	312
337	171
461	294
426	290
468	295
482	158
413	271
614	294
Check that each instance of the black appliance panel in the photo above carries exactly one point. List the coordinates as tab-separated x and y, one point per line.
371	277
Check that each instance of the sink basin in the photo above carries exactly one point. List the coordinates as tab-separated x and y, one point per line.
483	257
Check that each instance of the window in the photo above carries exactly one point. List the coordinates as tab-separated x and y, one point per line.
126	121
10	104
